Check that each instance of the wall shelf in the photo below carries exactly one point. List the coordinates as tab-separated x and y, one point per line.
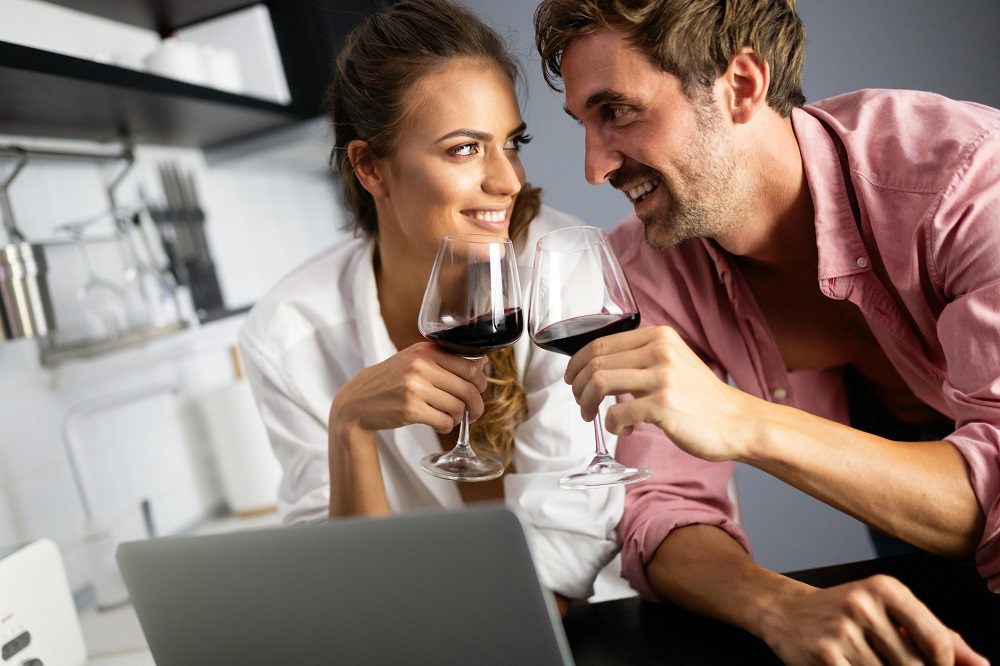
50	94
164	17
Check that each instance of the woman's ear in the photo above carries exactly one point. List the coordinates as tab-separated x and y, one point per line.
366	167
747	81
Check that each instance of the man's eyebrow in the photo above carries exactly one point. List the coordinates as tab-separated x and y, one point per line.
604	97
610	97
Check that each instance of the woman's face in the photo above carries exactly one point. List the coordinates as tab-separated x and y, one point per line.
456	167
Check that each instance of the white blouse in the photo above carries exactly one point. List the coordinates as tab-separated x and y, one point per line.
322	324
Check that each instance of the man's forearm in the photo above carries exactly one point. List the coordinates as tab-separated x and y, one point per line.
703	569
916	491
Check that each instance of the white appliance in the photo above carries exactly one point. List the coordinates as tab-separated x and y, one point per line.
38	621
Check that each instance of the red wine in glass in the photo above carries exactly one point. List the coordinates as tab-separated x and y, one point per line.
578	294
571	335
472	305
481	334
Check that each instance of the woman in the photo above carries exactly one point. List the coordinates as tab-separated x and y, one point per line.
428	131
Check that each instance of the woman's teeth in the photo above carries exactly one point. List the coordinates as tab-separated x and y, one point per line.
644	188
489	215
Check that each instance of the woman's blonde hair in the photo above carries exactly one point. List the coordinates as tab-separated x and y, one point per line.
381	61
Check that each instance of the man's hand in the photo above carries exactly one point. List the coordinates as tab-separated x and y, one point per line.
672	389
873	621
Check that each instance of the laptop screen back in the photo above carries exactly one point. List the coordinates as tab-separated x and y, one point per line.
421	588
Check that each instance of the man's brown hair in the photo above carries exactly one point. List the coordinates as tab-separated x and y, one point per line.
694	40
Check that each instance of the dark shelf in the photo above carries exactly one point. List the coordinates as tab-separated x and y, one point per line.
49	94
162	16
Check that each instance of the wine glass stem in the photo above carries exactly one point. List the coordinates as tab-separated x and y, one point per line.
463	435
602	449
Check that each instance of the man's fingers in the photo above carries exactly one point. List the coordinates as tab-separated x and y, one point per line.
609	344
924	630
603	383
965	655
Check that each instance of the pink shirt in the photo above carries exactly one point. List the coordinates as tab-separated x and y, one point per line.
925	171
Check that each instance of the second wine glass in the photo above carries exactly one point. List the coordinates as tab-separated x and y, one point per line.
578	294
472	305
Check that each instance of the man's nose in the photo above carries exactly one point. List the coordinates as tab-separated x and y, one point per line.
601	159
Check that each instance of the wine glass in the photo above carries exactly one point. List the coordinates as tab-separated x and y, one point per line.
101	301
578	294
472	305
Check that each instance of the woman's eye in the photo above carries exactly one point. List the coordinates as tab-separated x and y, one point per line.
465	150
517	142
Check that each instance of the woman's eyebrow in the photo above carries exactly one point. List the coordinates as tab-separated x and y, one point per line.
470	133
477	135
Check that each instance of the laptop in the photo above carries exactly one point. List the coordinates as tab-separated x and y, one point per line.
418	588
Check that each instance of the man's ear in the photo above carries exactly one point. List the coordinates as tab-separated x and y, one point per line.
747	81
366	167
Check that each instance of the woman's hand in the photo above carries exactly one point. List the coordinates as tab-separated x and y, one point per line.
672	389
420	384
872	621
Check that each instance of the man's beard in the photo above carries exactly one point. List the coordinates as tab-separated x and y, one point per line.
707	202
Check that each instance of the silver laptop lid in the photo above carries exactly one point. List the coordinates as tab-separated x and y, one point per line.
419	588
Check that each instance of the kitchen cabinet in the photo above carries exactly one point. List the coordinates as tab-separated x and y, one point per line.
55	95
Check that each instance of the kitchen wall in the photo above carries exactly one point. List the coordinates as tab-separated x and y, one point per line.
270	206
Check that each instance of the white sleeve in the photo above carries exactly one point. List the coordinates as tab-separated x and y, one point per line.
571	532
298	437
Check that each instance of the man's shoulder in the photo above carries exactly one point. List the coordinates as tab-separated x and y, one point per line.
906	139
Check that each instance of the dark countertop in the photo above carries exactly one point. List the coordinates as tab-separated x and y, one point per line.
631	631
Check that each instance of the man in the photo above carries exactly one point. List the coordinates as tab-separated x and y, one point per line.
804	268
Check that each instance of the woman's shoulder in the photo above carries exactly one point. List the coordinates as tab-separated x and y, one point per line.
316	295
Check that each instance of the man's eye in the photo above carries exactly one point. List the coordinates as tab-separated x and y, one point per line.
617	113
465	150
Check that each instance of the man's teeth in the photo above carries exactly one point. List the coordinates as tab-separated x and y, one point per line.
642	188
489	215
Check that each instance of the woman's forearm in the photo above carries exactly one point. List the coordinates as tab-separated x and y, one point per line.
356	485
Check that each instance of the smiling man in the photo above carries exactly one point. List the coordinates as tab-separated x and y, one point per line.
820	292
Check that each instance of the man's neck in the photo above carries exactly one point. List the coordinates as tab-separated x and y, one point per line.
779	233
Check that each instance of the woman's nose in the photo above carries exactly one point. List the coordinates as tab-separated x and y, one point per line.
504	176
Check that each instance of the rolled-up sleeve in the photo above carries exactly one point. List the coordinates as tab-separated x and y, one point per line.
966	242
683	490
571	532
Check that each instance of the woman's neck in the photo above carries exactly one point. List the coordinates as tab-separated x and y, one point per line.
400	291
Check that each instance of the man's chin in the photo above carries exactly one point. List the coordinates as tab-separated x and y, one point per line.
658	234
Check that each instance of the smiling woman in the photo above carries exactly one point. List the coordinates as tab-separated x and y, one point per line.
428	132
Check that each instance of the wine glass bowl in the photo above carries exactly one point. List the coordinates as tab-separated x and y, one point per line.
472	305
578	294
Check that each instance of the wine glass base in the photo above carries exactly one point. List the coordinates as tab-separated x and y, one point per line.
457	467
604	471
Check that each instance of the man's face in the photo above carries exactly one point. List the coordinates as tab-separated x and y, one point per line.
668	154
